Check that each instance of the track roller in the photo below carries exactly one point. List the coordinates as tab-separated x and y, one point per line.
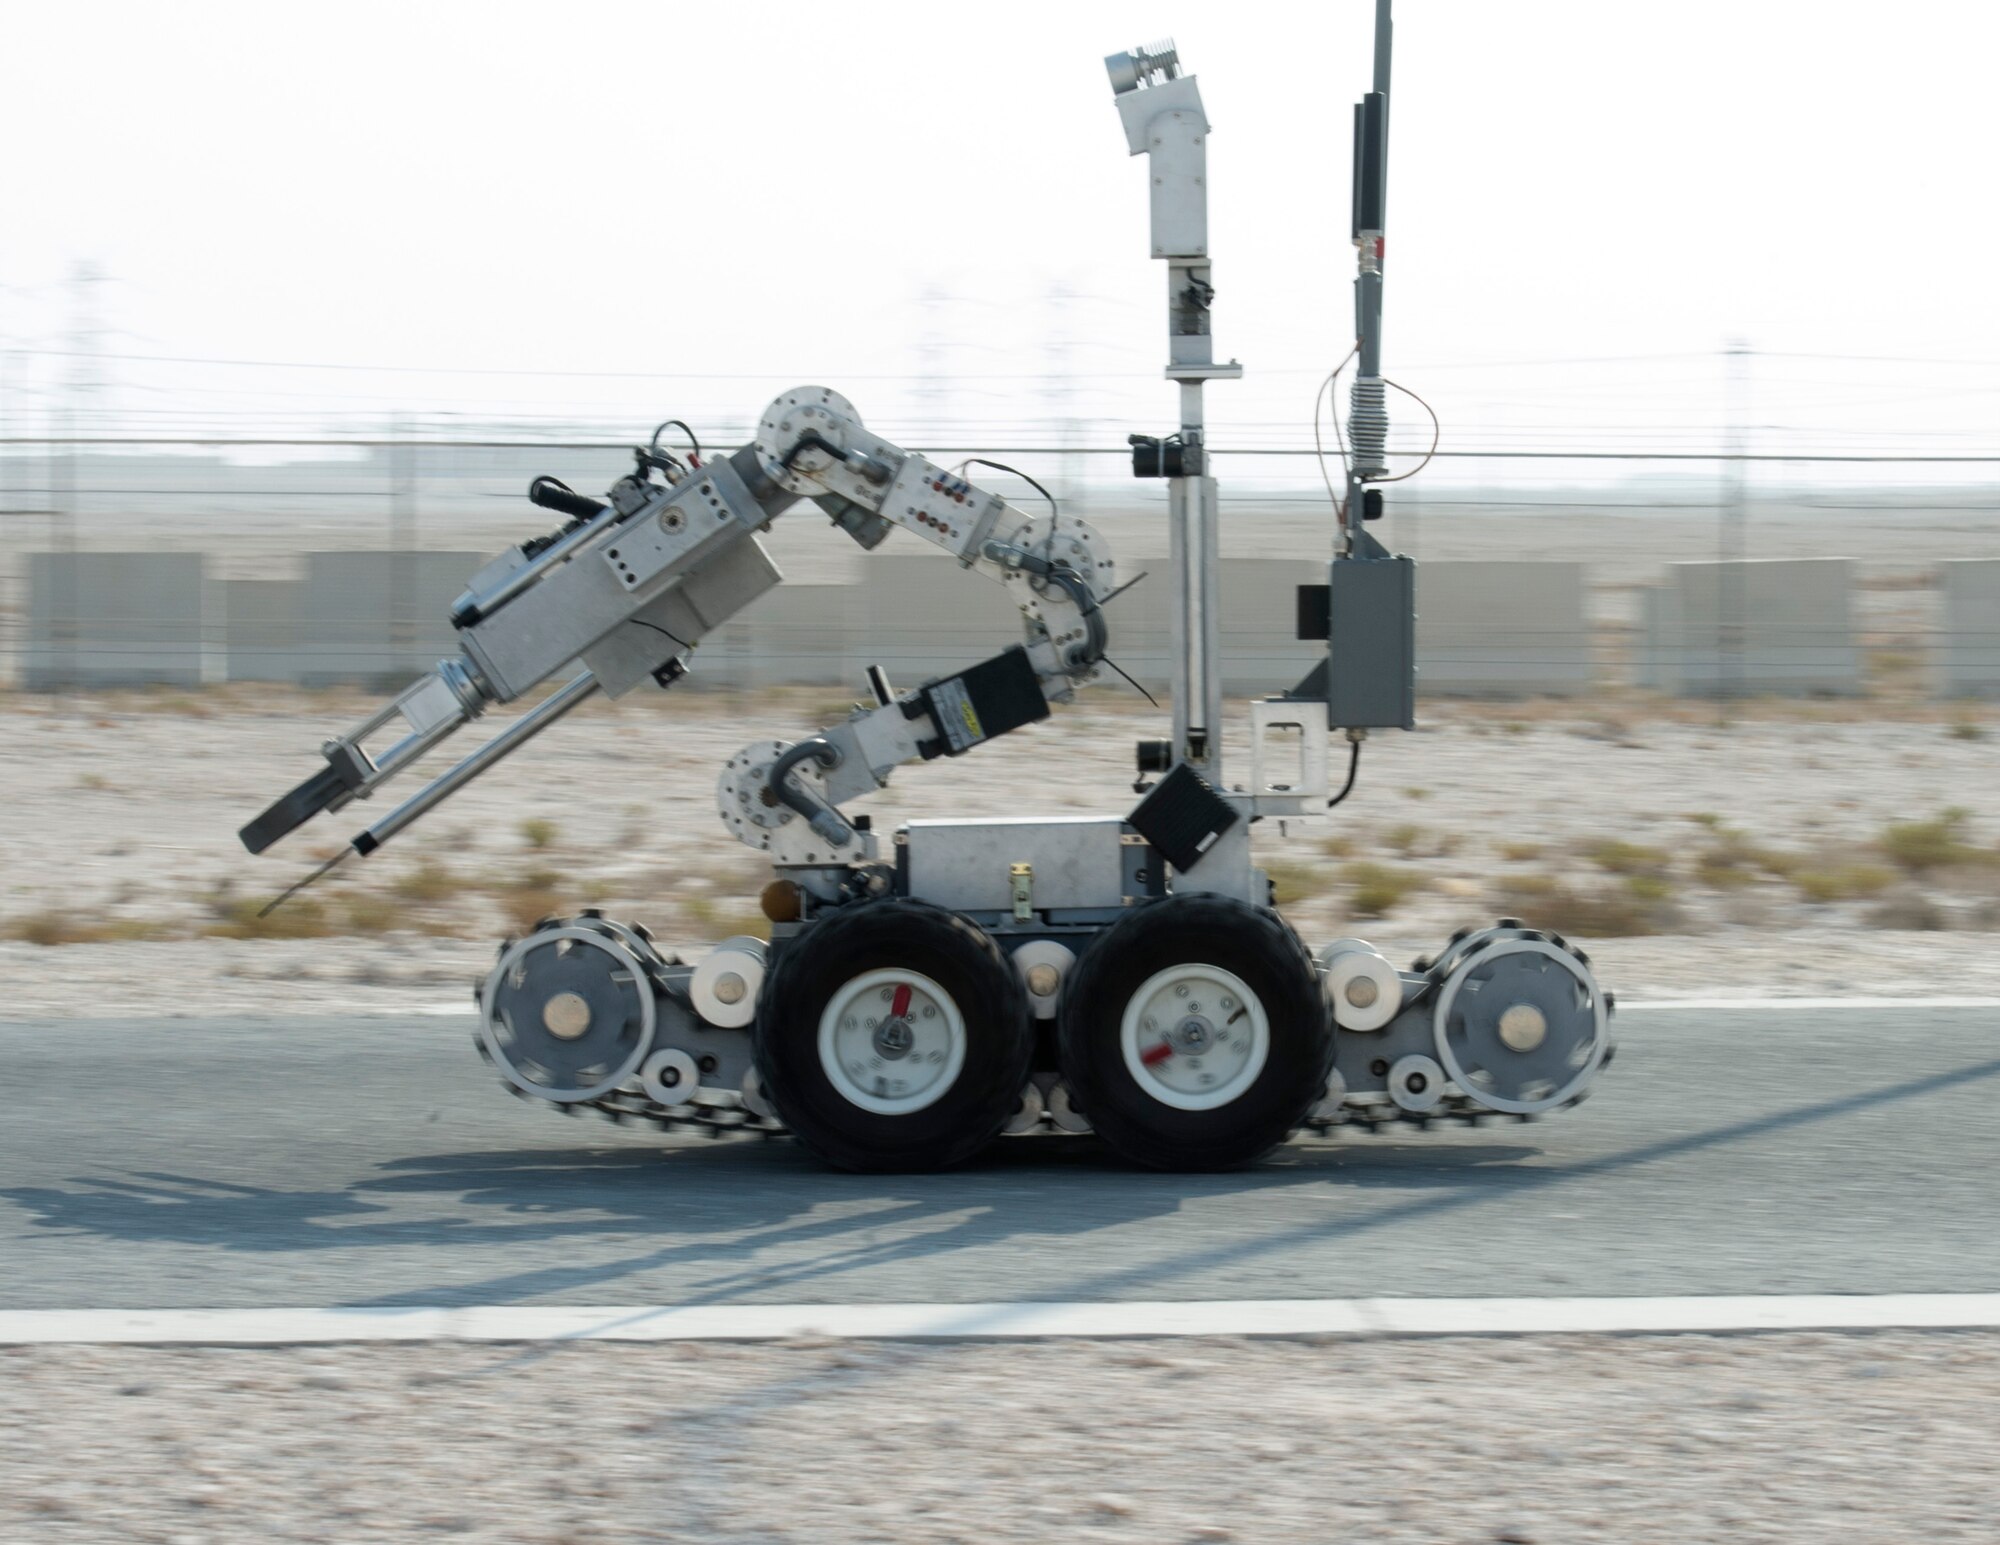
1521	1024
1194	1034
893	1035
567	1013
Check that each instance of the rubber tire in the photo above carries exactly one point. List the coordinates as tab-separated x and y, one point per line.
960	957
1257	945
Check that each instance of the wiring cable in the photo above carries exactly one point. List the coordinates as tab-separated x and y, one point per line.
1353	767
1319	445
1435	433
681	425
1055	510
642	622
1107	660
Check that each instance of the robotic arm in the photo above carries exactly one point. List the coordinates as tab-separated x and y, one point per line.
811	443
628	588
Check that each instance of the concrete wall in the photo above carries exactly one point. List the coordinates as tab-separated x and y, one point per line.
1783	627
923	617
115	619
261	626
379	617
1502	630
1261	650
794	635
1968	660
1483	629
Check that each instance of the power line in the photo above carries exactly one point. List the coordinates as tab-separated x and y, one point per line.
618	444
1145	375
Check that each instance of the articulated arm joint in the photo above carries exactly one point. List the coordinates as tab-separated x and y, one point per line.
821	816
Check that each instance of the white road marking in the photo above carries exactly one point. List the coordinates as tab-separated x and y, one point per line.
1644	1005
1007	1321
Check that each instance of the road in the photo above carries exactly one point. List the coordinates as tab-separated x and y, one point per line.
175	1163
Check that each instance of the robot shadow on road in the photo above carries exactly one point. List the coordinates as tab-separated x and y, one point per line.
723	1221
726	1219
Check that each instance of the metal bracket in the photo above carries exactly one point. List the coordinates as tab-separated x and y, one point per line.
1022	879
1288	757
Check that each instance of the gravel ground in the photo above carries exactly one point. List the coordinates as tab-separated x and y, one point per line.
1694	859
1540	1441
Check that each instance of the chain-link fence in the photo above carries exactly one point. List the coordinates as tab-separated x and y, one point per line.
1542	573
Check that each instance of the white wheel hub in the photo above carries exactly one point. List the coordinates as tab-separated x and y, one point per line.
1194	1036
892	1042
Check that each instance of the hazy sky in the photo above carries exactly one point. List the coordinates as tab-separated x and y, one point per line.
686	207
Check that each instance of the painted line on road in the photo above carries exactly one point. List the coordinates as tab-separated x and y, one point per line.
1645	1005
1350	1317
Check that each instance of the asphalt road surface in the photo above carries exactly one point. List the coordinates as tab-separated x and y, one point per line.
176	1163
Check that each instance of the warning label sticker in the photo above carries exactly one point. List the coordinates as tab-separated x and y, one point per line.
953	707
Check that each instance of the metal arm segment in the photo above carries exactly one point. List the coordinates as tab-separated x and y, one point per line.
630	588
1162	114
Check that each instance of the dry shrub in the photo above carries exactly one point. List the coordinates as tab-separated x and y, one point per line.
526	897
1921	846
1837	880
1627	858
1634	905
539	833
1520	852
48	929
1909	911
303	917
724	922
1373	890
51	929
1292	880
1975	879
429	882
527	905
1412	841
1733	861
368	913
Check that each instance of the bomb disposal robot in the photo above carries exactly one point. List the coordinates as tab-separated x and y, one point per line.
922	994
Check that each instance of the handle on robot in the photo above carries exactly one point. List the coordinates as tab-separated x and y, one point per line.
552	493
820	816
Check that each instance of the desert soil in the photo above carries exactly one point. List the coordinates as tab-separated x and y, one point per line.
1541	1441
1693	858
